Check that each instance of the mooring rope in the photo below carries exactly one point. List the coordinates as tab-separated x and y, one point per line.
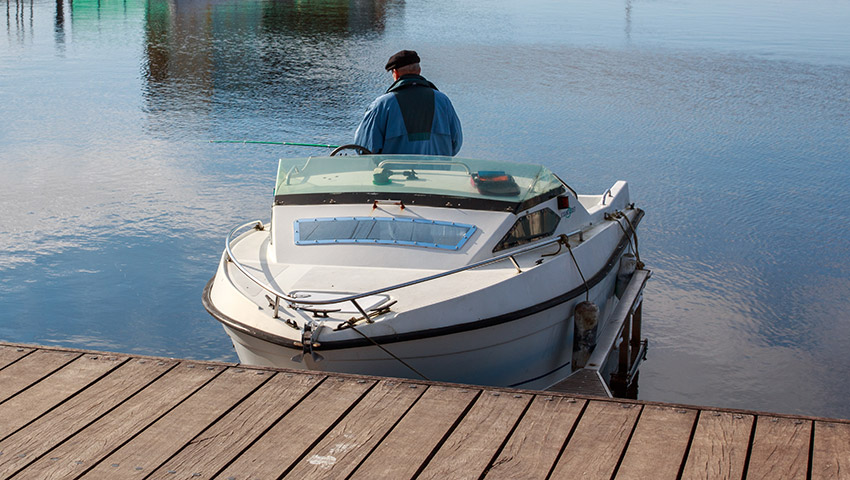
617	215
584	281
367	337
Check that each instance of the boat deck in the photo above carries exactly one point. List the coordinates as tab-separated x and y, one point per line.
79	414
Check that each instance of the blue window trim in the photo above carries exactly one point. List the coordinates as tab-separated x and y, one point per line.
470	230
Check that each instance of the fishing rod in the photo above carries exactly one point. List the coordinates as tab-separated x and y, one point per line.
294	144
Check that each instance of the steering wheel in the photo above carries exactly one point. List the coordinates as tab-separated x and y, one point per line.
350	149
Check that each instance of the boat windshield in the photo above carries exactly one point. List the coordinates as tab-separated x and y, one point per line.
415	177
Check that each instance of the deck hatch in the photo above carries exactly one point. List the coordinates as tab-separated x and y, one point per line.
382	230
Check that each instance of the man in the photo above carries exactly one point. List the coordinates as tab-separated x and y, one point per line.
412	117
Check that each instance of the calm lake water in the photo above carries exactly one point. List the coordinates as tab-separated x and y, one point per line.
730	120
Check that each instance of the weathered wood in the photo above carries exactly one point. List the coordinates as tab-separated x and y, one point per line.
156	444
659	444
53	390
282	445
51	429
780	449
30	370
220	444
109	417
595	448
473	444
585	381
719	446
411	442
348	444
831	451
90	445
535	444
10	354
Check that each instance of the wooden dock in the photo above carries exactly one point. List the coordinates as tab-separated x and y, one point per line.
67	414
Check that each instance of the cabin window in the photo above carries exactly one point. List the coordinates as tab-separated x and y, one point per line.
529	228
381	230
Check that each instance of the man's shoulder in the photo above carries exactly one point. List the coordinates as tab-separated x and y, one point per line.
383	101
441	98
441	95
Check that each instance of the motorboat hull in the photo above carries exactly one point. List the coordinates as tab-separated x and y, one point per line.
532	351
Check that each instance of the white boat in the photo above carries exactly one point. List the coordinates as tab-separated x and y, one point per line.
442	268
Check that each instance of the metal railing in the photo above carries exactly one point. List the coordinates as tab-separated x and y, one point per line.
278	295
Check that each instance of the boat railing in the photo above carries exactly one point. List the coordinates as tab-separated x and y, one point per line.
291	300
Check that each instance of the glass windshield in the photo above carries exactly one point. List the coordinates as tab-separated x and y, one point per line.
415	175
397	231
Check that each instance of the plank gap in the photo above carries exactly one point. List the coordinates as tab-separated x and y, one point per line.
447	435
567	440
280	418
507	438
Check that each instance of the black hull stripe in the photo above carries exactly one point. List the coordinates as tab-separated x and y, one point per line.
434	332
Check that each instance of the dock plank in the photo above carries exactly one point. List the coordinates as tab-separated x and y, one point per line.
780	449
10	354
91	444
595	448
31	369
473	444
348	444
26	445
53	390
289	439
150	449
831	451
214	448
659	444
719	446
417	434
107	416
534	446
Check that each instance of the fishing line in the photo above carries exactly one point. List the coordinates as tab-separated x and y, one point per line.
294	144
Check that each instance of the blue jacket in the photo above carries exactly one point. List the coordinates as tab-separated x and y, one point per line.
413	117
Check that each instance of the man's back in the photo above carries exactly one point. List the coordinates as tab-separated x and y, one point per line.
413	117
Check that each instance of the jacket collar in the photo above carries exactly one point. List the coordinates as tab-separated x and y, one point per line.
410	80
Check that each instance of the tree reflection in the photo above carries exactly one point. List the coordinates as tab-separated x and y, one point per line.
268	55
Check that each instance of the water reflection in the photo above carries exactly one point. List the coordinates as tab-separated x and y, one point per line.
59	25
286	57
18	17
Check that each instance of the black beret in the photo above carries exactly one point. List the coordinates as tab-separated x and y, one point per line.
401	59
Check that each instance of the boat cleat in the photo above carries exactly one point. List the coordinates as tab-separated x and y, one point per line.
308	342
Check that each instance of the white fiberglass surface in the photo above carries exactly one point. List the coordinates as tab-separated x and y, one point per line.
415	174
